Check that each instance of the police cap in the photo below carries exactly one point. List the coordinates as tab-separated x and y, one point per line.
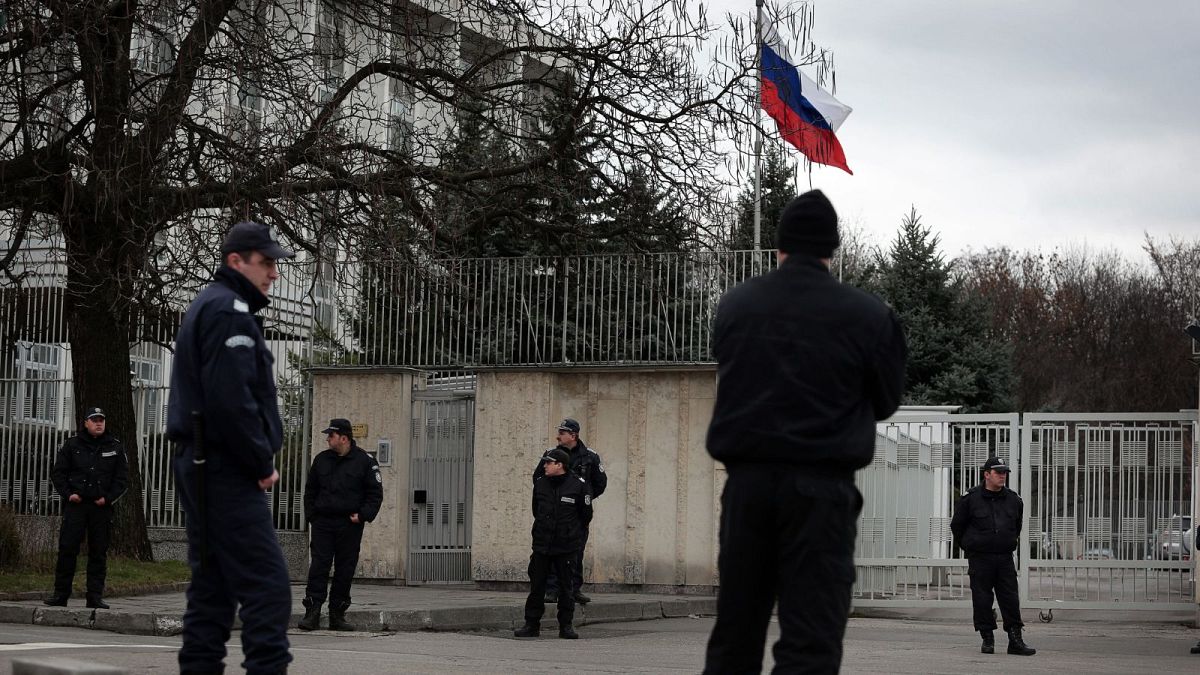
251	236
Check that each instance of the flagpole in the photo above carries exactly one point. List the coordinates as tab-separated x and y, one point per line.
758	140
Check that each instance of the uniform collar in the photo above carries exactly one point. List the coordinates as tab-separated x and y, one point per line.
800	260
235	281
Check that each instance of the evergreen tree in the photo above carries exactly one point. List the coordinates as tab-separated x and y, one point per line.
954	357
778	186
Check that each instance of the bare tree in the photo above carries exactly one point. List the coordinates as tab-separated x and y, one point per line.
132	133
1091	332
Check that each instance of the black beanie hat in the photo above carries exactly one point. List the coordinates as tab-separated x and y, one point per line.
808	225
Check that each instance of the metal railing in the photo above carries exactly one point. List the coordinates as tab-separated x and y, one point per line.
1109	500
29	445
579	310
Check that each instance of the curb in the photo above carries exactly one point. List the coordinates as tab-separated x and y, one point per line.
128	591
455	619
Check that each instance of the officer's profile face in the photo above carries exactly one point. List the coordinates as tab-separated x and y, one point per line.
258	268
554	468
94	425
566	438
337	441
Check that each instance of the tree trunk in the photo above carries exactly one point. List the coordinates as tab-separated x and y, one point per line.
98	326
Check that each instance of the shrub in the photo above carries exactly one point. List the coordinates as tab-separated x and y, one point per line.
10	539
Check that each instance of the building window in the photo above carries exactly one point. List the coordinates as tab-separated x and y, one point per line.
247	109
146	375
400	117
38	395
329	49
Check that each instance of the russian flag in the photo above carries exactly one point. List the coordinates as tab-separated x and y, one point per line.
807	115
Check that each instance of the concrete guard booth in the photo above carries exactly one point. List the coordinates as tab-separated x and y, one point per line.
457	466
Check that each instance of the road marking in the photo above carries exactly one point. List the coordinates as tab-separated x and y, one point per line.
30	646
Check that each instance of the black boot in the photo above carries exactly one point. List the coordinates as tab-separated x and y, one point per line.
57	600
1196	649
312	615
989	642
1017	646
528	630
337	616
581	598
94	601
567	632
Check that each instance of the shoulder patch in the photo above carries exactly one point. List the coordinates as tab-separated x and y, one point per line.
239	341
241	306
378	478
601	467
587	499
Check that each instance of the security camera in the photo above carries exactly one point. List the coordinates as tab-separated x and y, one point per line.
1193	329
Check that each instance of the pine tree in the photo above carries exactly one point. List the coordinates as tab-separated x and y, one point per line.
953	358
778	186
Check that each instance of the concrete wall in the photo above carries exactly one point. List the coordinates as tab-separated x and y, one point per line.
381	399
656	526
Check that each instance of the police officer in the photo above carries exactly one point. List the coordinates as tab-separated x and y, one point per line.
805	365
987	524
585	463
90	472
343	492
225	372
562	509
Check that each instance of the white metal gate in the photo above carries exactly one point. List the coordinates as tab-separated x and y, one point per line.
1109	505
440	485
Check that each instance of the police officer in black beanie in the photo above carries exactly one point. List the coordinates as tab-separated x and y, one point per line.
806	365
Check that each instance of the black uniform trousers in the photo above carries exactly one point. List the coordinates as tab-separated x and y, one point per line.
335	543
994	572
786	535
78	520
576	569
540	565
243	566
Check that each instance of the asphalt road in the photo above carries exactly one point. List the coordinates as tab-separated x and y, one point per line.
664	646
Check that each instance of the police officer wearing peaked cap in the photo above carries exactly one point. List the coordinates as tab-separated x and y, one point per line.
225	372
343	492
987	525
585	463
562	509
91	472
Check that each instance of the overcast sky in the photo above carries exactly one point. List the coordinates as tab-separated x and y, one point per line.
1023	123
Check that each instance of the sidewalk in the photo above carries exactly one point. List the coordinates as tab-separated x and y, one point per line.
376	608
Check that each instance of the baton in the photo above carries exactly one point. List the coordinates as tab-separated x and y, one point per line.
198	462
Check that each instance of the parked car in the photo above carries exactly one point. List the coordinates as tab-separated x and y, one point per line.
1176	539
1096	553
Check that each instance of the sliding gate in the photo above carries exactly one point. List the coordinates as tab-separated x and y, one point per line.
1109	508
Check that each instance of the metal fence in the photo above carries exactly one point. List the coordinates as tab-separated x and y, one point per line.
1110	501
29	444
602	309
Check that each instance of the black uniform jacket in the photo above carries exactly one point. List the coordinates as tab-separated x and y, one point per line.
224	369
988	522
339	486
91	467
562	507
585	463
805	367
